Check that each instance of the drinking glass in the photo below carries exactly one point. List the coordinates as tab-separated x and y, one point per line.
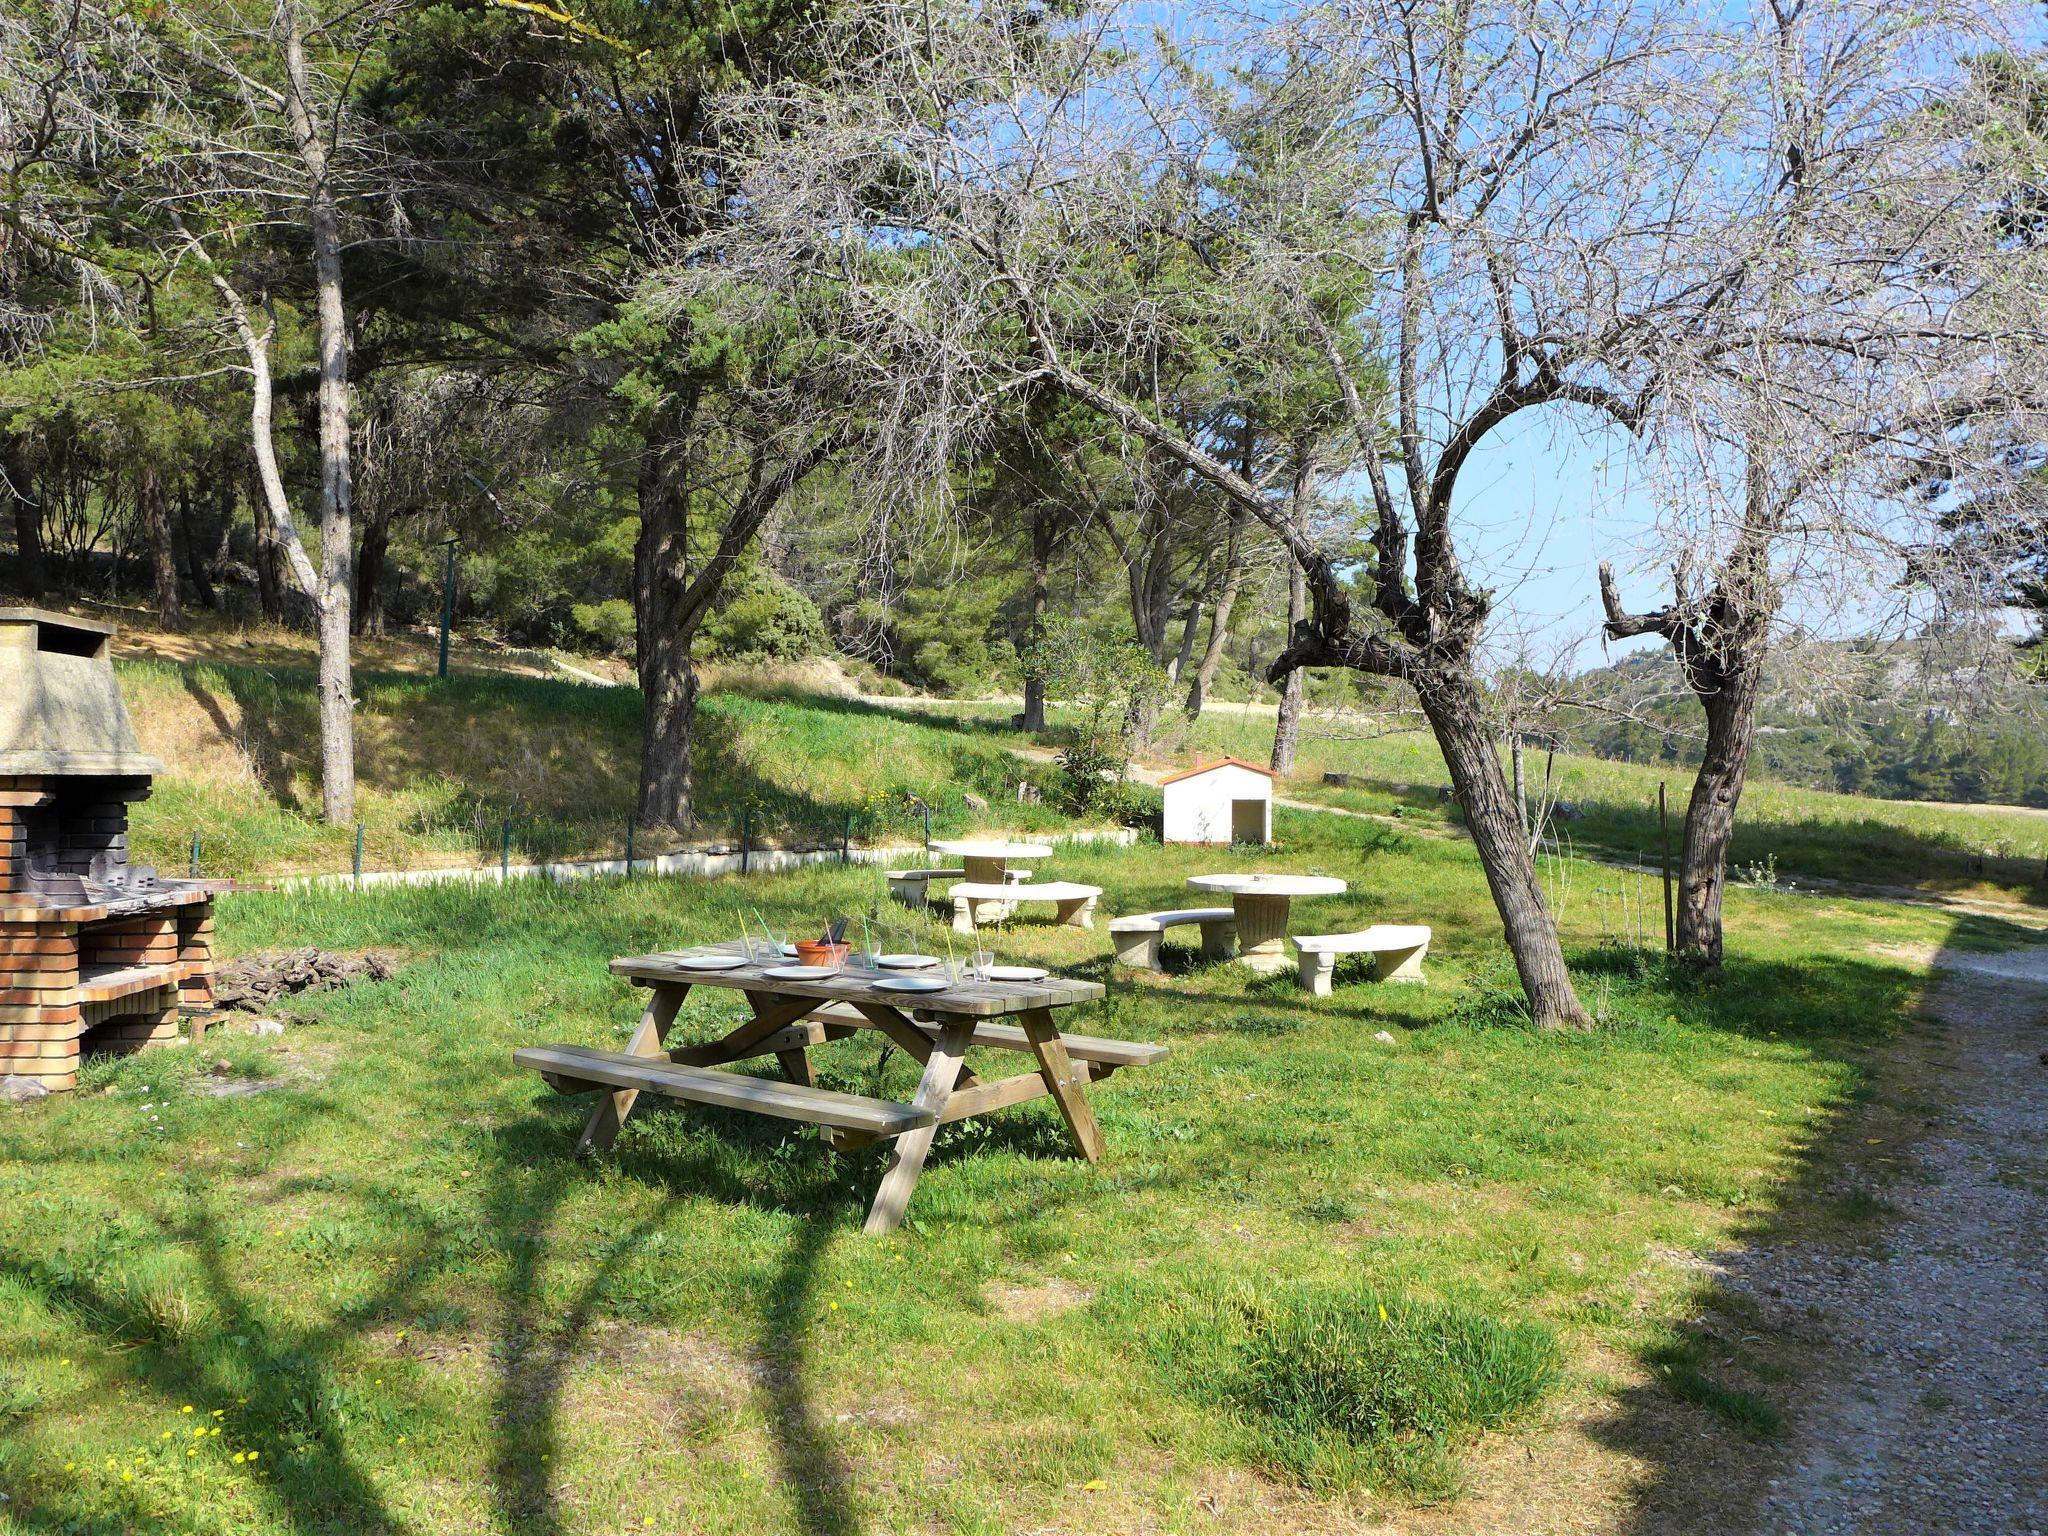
979	962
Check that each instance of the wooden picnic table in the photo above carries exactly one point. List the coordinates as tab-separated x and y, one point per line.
788	1017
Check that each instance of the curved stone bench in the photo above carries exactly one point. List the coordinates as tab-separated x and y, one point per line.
1137	937
1397	950
975	901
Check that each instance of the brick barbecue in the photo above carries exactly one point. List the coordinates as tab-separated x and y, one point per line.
95	953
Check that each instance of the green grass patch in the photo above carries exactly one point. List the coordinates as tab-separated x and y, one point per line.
1349	1388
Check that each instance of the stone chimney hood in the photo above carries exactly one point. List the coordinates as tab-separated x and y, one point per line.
60	708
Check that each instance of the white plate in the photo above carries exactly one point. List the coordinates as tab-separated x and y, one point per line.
800	972
711	962
910	984
906	962
1014	972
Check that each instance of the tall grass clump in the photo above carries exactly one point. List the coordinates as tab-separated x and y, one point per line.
1350	1388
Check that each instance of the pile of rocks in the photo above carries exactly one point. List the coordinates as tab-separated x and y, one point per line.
254	983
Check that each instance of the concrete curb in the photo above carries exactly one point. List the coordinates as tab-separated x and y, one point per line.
688	865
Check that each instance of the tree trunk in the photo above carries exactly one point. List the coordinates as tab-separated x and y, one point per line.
1287	725
1219	617
1710	816
1456	715
1190	626
269	557
337	537
1033	718
31	574
668	674
156	533
195	554
371	562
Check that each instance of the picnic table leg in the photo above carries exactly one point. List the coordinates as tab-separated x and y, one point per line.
906	1157
602	1129
1057	1068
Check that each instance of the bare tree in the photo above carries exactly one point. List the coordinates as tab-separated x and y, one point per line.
1493	196
1878	348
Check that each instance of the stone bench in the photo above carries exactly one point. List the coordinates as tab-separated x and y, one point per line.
911	886
1397	950
1137	937
1073	904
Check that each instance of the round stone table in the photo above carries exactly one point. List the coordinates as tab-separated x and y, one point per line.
1262	903
988	860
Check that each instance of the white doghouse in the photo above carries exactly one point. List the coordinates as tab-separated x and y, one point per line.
1230	801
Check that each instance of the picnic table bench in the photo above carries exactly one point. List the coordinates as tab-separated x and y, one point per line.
788	1017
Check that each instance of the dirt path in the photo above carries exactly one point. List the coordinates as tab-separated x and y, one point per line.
1934	1416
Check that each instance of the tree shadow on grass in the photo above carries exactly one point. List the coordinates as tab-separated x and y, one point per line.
274	722
540	1340
281	1379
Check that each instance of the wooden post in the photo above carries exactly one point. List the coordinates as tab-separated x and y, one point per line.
1664	833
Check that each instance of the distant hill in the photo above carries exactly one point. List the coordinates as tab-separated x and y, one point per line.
1940	717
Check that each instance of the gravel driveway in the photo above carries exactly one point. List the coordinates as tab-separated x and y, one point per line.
1936	1419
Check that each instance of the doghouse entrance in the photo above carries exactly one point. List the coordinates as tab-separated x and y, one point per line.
1247	821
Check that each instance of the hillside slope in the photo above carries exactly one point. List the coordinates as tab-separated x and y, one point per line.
512	737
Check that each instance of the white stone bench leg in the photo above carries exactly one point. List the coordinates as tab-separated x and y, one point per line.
1403	965
1317	966
968	914
911	893
1076	914
1218	939
1139	951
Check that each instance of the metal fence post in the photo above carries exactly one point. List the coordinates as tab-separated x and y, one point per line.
746	839
359	856
846	839
922	806
632	824
505	852
193	871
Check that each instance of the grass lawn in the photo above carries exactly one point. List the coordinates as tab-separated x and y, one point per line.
368	1290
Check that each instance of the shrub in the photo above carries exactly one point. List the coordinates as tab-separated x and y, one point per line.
762	618
607	625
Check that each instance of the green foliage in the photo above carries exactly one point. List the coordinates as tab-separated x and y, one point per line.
762	618
1115	687
606	626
